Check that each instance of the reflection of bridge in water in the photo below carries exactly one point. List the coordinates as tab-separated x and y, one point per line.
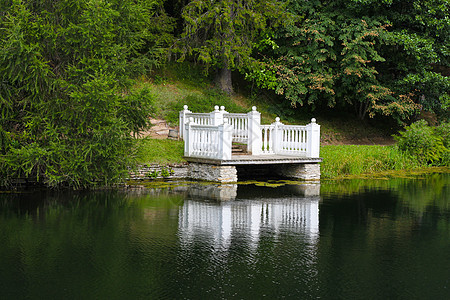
221	221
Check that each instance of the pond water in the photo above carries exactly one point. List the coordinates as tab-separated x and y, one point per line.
379	239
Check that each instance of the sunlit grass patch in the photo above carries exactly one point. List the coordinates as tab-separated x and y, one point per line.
342	160
161	152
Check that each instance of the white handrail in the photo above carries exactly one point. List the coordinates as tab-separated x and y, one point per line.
293	139
240	126
240	122
207	141
211	135
267	132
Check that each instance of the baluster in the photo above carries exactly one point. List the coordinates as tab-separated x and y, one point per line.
288	139
246	129
300	140
294	145
285	139
204	142
200	142
218	142
195	140
304	139
208	143
234	124
296	139
213	143
270	139
265	132
239	120
292	139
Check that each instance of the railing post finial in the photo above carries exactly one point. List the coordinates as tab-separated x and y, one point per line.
216	108
185	107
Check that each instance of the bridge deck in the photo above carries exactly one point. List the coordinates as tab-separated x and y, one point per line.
266	159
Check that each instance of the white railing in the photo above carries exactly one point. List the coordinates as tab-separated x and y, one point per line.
293	139
213	118
201	118
267	132
240	126
208	141
211	135
278	138
241	122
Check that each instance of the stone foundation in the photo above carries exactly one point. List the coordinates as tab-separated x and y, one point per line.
212	172
156	171
300	171
225	174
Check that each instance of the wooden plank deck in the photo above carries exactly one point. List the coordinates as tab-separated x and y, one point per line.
265	159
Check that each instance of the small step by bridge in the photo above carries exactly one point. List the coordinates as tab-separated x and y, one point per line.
211	138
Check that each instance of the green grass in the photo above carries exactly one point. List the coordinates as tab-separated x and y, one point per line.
162	152
339	161
343	160
185	84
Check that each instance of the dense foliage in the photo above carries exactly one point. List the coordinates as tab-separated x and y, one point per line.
64	70
429	145
386	57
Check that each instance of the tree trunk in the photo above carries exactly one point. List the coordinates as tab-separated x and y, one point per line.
224	80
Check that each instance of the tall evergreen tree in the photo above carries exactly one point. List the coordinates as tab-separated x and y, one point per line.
65	66
223	33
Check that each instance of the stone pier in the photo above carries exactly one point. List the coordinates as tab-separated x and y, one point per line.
300	171
226	171
209	172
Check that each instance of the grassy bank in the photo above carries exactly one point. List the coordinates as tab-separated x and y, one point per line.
161	152
343	160
339	161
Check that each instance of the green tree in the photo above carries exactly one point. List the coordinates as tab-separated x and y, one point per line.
380	57
223	33
64	71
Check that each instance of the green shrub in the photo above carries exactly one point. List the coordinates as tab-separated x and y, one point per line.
423	142
443	131
135	107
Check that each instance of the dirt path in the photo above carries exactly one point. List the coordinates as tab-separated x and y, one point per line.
159	129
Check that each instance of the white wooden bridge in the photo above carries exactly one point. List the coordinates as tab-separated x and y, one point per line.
209	139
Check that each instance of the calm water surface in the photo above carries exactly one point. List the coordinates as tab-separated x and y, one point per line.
387	239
